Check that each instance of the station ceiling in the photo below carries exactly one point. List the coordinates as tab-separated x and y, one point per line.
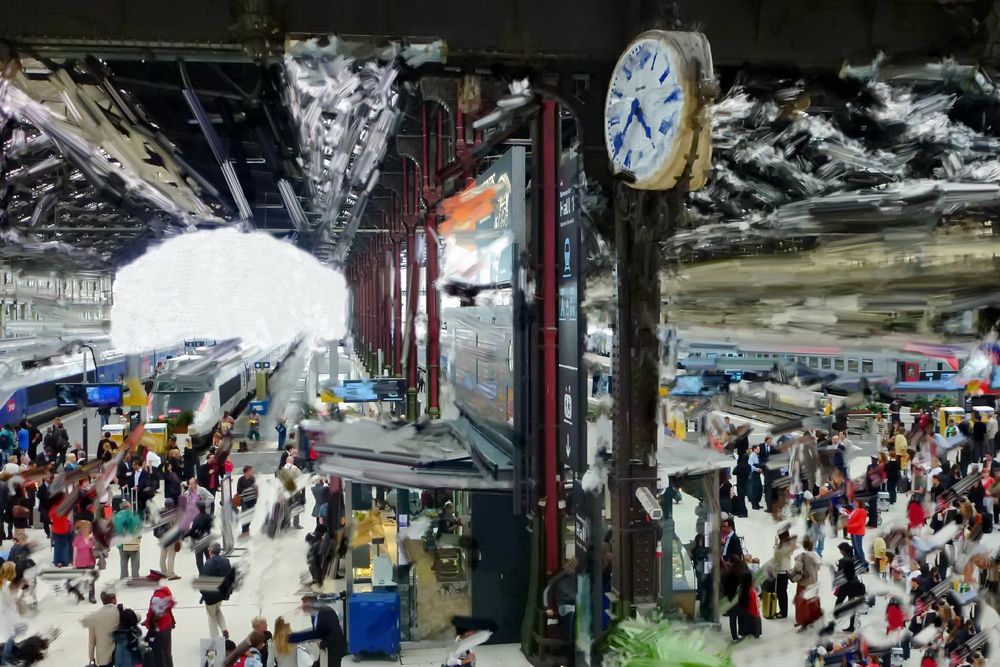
133	67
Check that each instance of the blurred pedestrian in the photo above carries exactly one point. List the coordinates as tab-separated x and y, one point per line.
160	626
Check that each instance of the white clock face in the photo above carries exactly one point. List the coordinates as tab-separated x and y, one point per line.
643	111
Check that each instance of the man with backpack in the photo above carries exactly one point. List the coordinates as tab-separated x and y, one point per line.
218	567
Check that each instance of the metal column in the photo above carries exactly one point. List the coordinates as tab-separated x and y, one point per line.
397	302
412	294
388	333
641	221
433	318
548	136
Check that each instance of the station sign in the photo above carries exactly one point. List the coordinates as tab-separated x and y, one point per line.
365	391
88	395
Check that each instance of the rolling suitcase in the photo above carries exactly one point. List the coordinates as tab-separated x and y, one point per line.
769	602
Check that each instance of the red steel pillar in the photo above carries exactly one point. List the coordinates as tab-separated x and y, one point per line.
387	335
549	159
433	316
397	292
412	299
431	195
369	311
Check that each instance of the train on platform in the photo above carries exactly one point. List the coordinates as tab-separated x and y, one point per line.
749	359
204	385
30	369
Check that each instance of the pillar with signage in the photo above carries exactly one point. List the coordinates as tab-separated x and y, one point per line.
572	430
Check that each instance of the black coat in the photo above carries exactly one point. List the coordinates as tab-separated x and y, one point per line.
736	582
218	566
145	488
851	585
43	495
201	526
170	473
247	491
734	548
329	633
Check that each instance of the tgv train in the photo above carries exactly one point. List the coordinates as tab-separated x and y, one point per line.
31	367
199	389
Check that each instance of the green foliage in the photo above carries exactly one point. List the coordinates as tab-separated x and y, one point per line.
180	423
877	409
657	642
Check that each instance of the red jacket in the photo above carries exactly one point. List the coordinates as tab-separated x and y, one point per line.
894	617
856	522
753	604
61	525
916	514
160	616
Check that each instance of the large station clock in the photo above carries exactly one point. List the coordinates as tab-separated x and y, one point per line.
649	112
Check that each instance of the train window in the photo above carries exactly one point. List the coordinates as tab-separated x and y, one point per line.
940	366
867	366
228	389
852	365
813	362
838	364
825	363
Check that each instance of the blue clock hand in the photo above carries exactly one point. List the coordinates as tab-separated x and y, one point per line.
628	121
642	121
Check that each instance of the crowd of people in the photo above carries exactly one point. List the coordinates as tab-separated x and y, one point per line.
93	509
949	484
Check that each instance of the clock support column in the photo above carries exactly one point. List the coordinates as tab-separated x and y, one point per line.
643	220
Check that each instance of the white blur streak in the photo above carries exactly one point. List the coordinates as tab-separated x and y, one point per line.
284	381
286	550
224	284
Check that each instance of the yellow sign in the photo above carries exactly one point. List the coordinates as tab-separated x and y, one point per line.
154	438
327	396
136	397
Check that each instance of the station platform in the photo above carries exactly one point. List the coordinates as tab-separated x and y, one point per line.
272	588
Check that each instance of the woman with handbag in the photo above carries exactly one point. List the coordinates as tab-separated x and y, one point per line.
83	554
128	526
21	509
805	575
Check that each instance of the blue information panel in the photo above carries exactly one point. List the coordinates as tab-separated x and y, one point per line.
365	391
88	395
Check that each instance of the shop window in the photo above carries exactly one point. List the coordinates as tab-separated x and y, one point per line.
867	366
